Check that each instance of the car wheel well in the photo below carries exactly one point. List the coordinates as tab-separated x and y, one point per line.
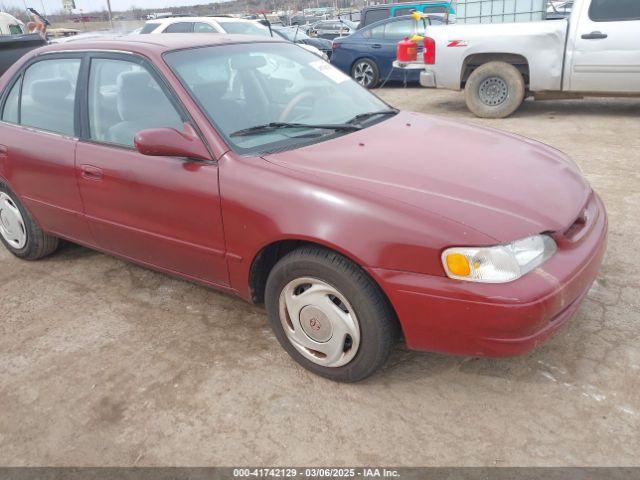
262	264
267	258
474	61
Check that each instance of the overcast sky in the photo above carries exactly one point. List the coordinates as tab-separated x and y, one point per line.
90	5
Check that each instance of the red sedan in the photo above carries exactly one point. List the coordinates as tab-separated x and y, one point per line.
256	168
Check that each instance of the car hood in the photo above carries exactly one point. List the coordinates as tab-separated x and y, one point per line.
506	187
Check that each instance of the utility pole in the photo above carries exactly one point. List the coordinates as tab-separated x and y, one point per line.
110	14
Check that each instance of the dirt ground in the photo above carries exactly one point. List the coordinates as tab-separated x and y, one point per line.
105	363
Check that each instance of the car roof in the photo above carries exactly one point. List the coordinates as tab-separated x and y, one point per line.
155	44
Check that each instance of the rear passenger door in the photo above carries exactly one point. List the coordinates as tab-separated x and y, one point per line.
160	211
40	113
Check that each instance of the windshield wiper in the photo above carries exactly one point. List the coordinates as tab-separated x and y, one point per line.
364	116
270	127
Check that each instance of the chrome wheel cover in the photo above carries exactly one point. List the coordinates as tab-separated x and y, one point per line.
493	91
363	74
12	226
319	322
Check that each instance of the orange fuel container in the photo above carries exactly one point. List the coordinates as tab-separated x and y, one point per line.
407	51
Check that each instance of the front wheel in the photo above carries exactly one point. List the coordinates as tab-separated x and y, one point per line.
366	73
329	315
494	90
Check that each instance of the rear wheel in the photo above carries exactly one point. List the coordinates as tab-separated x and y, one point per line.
366	73
19	231
494	90
329	315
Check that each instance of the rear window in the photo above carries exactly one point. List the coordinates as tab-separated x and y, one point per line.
149	27
614	10
376	15
245	28
15	29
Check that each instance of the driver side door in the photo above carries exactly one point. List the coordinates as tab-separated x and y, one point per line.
159	211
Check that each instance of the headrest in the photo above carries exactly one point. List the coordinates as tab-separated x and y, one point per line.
50	92
138	79
137	97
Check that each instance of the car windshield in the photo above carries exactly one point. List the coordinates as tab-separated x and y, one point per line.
245	28
243	86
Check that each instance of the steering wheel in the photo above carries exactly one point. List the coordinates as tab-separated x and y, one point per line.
293	103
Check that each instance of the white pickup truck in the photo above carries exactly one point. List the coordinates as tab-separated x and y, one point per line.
595	52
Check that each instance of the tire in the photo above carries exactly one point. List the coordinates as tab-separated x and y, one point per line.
366	73
330	288
494	90
19	232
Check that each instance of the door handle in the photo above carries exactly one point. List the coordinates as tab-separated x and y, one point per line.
376	45
90	172
594	36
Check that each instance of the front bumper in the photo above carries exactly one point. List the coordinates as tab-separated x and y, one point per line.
497	320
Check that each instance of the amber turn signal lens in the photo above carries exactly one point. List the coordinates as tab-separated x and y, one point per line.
458	264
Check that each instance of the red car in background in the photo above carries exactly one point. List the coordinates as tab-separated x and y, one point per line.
254	167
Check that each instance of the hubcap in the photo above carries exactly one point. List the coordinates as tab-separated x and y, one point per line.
12	226
319	322
363	74
493	91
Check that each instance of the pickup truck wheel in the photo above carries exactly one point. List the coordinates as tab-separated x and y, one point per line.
329	315
494	90
18	230
366	73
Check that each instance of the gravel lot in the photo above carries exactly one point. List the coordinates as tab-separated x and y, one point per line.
105	363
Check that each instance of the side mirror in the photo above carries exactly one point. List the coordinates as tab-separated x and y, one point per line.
168	142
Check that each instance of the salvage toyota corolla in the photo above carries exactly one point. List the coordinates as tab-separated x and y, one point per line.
254	167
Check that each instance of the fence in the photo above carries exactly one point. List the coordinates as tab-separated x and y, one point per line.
499	11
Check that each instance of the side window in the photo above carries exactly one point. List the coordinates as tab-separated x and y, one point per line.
180	27
201	27
10	111
125	99
375	33
614	10
398	30
48	95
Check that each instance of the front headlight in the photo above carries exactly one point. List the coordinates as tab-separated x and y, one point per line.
499	264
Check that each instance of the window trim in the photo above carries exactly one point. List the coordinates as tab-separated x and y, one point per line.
19	76
137	59
625	19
